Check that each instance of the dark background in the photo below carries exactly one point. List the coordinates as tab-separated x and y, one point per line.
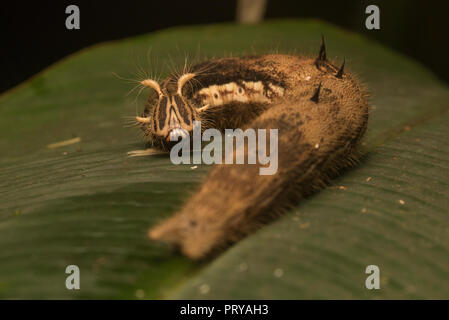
33	34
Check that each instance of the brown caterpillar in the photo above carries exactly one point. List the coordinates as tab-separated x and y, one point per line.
320	112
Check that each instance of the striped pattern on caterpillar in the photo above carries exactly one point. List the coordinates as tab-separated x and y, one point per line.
320	111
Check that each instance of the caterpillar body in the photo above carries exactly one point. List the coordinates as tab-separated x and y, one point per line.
320	111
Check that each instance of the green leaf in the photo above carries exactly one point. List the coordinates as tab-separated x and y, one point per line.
88	204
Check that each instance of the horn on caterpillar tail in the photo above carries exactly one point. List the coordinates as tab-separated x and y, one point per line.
322	57
316	96
340	72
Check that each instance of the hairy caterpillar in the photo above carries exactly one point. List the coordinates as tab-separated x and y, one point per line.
321	113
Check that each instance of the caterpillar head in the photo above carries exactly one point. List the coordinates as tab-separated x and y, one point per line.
172	116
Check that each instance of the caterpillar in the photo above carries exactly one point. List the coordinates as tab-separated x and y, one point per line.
320	111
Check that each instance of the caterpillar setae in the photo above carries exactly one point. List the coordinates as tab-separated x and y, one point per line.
320	111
